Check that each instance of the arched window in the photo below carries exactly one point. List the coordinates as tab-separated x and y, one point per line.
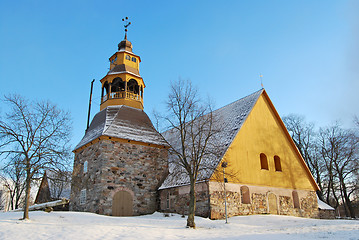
85	166
245	195
105	88
295	199
133	59
117	85
264	161
132	86
278	166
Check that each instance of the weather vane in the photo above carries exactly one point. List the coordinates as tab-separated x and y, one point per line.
127	23
261	77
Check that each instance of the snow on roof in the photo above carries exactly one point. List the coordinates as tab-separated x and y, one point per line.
230	119
323	206
122	122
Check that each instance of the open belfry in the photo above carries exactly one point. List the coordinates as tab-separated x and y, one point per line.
122	160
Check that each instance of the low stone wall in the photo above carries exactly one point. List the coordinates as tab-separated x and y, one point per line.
326	214
176	200
117	166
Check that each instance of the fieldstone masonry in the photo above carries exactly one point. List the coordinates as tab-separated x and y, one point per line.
210	201
118	166
176	200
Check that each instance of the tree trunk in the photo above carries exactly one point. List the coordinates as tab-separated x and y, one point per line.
27	194
348	202
192	205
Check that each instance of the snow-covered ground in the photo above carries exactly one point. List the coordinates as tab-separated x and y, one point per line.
74	225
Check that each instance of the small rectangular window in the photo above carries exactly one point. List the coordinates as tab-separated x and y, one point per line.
133	59
85	166
128	57
83	196
168	200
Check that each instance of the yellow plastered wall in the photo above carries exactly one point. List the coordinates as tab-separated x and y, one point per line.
121	59
262	132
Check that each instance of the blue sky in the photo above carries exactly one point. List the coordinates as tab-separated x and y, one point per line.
307	52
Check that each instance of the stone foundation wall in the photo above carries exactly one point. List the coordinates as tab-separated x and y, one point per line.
259	203
210	201
116	166
176	200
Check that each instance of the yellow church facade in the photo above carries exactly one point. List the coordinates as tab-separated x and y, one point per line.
265	172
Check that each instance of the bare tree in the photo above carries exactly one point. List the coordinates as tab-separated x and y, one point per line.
36	132
13	179
192	129
305	138
59	181
339	149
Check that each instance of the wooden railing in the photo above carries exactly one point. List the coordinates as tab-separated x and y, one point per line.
121	95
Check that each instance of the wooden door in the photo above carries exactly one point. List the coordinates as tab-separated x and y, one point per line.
122	204
272	203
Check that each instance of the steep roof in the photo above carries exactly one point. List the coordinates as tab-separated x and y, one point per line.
122	122
230	119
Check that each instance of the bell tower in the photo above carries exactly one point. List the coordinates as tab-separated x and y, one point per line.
122	159
123	84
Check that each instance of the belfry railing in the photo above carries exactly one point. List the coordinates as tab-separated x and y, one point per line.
122	95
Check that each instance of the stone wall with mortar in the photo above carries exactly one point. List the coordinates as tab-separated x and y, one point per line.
176	200
115	166
259	201
210	201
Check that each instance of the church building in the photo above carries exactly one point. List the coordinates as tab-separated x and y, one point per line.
121	165
266	174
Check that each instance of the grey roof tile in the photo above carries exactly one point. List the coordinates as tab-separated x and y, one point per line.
122	122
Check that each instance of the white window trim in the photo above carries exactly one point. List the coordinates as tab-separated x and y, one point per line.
83	196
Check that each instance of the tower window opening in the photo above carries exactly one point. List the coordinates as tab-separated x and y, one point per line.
264	161
133	59
278	166
85	166
117	85
105	88
128	57
132	86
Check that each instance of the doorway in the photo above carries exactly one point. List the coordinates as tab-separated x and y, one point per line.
122	204
272	203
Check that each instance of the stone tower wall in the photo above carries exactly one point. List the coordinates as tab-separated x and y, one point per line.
114	166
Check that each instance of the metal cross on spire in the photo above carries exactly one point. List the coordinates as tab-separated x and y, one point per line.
127	23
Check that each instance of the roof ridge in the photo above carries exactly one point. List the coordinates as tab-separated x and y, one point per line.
260	90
